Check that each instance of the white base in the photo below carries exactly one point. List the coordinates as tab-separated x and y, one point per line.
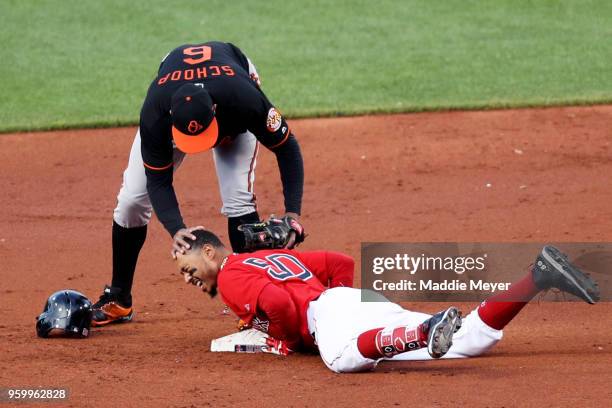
246	341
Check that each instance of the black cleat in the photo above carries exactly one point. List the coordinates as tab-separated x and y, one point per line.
553	270
440	329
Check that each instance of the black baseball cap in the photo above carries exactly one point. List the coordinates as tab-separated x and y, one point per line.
194	126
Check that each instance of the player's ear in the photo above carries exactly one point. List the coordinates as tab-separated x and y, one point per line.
209	251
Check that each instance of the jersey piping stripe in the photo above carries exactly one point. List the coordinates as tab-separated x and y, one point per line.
158	168
282	141
252	167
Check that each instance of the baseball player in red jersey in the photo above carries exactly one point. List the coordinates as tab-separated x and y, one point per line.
305	300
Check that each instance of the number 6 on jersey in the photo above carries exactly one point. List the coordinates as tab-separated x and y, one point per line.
204	52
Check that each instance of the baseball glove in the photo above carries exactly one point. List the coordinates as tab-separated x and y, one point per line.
274	233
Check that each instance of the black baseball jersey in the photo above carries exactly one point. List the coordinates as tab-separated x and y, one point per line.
240	103
239	106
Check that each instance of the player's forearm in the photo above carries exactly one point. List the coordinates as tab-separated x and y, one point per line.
282	315
291	167
163	199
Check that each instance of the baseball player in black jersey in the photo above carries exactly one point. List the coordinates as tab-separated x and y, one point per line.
205	96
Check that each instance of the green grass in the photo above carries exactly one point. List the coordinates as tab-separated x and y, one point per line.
67	63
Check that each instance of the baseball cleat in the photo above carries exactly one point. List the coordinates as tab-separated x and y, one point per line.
112	307
553	270
441	328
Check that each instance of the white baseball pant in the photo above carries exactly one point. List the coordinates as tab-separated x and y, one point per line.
235	166
338	317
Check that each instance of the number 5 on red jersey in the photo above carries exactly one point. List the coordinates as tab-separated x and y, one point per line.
281	267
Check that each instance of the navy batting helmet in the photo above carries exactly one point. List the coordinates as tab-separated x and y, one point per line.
67	313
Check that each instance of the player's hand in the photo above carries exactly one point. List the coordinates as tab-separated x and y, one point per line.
179	245
242	325
291	243
278	347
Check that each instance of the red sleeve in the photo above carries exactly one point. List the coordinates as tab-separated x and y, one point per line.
331	268
281	313
240	288
341	269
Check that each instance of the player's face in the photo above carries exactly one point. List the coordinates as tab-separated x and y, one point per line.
199	268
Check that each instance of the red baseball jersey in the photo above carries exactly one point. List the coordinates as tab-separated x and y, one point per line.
303	276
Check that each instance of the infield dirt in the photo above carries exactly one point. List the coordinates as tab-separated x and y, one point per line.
513	175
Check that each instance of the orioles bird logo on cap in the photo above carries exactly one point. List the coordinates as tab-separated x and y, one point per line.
194	127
